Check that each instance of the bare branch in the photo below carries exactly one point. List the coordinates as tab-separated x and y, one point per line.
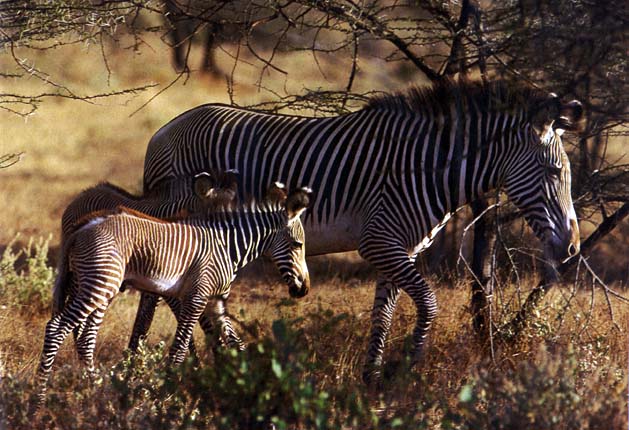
8	160
537	294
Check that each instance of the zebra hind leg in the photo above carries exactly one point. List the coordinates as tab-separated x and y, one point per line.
86	341
57	329
382	312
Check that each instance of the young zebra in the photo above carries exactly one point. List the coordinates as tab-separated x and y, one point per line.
169	198
192	259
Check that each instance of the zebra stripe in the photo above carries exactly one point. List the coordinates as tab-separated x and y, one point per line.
192	260
389	174
169	198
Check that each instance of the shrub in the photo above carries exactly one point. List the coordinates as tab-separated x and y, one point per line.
545	393
27	285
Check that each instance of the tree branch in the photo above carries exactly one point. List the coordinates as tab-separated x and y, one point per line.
371	24
515	326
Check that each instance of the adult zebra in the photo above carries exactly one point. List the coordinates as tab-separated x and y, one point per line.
388	176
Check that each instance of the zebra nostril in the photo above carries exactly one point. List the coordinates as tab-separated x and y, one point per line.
572	250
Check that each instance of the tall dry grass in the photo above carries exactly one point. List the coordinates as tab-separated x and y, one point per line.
71	145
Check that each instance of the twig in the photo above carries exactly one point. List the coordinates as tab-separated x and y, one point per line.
370	23
8	160
160	92
520	320
465	230
352	74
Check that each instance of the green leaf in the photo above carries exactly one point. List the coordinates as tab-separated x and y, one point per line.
276	367
465	395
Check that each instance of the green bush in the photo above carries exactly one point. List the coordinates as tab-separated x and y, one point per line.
28	286
548	392
304	374
271	382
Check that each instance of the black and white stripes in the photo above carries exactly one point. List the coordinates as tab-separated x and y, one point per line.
192	259
387	176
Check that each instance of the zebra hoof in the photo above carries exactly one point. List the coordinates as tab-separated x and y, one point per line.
372	377
36	404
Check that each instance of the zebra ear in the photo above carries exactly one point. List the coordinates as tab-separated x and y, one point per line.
297	202
570	117
203	185
276	193
225	191
229	185
545	112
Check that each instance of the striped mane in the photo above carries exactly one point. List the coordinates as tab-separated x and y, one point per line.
114	188
216	210
221	209
85	219
495	96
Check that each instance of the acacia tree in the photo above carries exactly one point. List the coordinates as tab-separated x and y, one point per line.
575	48
27	26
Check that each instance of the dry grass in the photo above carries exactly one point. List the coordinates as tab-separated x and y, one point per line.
71	145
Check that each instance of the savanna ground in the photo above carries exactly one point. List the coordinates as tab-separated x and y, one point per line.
303	366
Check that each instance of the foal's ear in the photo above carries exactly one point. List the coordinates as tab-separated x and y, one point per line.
228	187
543	113
203	185
297	202
276	193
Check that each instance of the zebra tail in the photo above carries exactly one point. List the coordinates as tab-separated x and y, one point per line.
64	276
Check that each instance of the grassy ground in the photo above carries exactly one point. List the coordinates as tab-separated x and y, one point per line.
568	370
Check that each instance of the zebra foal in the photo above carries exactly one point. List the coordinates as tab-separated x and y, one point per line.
171	197
192	259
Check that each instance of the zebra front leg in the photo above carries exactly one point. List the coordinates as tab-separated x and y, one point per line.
227	336
392	260
382	312
143	319
191	310
426	306
175	306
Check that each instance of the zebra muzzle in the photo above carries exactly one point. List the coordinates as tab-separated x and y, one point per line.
299	287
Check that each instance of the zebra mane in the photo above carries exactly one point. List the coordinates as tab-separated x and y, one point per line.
496	96
216	210
103	213
114	188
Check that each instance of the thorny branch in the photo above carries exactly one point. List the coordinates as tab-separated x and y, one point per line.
517	324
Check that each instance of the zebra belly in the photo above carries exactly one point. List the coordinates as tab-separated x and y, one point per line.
163	287
341	235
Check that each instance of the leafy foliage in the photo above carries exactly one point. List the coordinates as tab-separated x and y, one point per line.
543	394
30	285
303	373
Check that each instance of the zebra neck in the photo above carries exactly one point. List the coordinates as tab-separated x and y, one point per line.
249	234
461	158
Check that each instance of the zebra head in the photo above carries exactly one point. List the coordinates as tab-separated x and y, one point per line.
539	182
220	188
287	250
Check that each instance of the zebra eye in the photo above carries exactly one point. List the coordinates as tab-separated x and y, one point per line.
554	171
296	244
